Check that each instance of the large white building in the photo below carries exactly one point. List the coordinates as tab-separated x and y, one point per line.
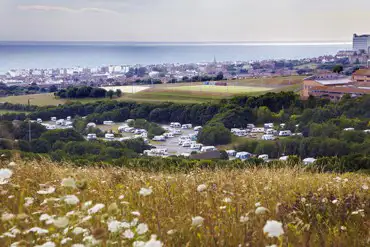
361	42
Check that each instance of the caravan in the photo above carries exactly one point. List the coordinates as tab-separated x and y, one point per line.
175	125
109	136
268	137
108	122
243	155
91	136
187	126
285	133
264	157
208	149
159	138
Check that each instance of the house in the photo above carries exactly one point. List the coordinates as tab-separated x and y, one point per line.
361	77
336	93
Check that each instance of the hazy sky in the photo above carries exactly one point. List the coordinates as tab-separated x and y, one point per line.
183	20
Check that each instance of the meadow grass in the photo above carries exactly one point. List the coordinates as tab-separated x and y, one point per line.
43	202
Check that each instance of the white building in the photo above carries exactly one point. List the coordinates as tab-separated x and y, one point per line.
361	42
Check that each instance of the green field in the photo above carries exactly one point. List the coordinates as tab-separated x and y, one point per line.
10	111
186	93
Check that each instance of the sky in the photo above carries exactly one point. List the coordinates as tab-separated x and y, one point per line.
183	20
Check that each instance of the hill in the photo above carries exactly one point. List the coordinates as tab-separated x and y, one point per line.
122	207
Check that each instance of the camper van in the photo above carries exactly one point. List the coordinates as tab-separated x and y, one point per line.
243	155
108	122
284	158
129	130
285	133
268	137
159	138
265	157
91	136
177	132
109	136
175	125
186	144
186	126
208	149
270	131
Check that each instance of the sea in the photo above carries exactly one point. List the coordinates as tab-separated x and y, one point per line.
45	55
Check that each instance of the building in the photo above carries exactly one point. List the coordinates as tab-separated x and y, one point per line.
361	77
361	42
326	79
336	93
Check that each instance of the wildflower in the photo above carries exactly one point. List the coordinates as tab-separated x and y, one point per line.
68	182
257	204
145	191
142	228
7	217
12	164
335	201
303	200
365	187
201	187
45	217
134	222
273	245
138	244
136	213
324	200
61	222
114	226
71	199
170	232
343	228
96	208
48	190
222	207
273	228
65	240
244	219
121	197
87	218
47	244
5	175
37	230
227	200
197	221
261	210
153	242
28	201
128	234
345	180
78	245
22	216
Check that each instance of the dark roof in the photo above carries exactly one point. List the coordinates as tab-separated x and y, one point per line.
341	90
207	155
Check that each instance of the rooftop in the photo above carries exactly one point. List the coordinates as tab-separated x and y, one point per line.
362	72
344	90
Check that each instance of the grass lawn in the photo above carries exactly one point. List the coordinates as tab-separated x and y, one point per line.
11	111
206	89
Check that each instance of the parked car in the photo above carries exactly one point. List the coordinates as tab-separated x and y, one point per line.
60	122
243	155
268	125
186	144
349	129
175	125
53	119
187	126
39	120
231	152
69	118
196	146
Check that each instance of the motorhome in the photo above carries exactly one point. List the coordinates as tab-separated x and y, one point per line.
122	127
159	138
258	130
175	125
91	136
208	148
241	133
231	152
265	157
268	125
268	137
129	130
139	131
109	136
243	155
285	133
187	126
284	158
108	122
91	125
270	131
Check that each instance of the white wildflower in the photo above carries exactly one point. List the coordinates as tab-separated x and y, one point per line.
273	245
335	201
121	197
114	226
303	200
96	208
12	164
78	245
201	187
145	191
153	242
142	228
68	182
28	201
70	213
45	217
324	200
227	200
37	230
134	222
170	232
197	221
273	228
47	244
257	204
136	213
261	210
87	218
222	207
365	187
5	175
138	244
128	234
7	217
45	191
78	230
71	199
343	228
87	204
65	240
61	222
244	219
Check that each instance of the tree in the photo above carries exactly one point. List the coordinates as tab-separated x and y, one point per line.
214	134
338	68
118	93
53	88
220	76
110	94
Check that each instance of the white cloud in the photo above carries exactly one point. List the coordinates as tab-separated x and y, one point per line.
64	9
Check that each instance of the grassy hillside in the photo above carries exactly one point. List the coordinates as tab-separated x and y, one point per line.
113	207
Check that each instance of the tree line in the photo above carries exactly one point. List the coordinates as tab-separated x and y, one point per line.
86	92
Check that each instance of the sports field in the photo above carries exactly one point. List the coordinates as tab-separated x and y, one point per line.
221	89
